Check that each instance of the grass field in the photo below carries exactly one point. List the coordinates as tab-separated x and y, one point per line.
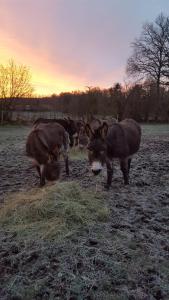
74	240
155	129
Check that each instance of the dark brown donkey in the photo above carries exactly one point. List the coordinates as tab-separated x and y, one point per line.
44	145
68	124
82	135
120	141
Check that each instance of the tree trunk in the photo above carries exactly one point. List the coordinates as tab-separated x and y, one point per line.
2	112
2	116
157	110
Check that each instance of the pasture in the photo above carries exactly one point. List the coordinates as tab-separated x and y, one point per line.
74	240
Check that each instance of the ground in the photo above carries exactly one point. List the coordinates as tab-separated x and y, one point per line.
123	255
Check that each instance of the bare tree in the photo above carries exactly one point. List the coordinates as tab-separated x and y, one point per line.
118	100
165	72
15	82
150	58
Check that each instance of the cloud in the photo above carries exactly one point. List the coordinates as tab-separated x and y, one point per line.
73	43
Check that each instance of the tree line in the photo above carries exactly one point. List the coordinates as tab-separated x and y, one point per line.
145	99
138	101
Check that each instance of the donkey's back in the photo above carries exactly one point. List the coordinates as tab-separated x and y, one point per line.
123	138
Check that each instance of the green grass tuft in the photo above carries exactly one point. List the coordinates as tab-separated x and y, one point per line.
77	154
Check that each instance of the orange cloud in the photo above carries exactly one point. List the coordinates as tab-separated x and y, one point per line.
46	80
63	54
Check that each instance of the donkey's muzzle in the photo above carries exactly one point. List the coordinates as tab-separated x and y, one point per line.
96	172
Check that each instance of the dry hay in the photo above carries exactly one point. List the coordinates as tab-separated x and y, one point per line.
52	211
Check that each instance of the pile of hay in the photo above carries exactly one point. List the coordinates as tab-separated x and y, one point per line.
52	212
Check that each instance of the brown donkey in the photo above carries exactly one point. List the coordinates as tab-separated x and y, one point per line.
121	141
83	138
44	145
68	124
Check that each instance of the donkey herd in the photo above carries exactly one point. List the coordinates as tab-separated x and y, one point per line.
105	140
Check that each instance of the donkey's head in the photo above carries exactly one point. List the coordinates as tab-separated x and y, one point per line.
97	147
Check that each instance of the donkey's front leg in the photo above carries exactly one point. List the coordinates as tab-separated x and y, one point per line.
67	165
42	175
109	173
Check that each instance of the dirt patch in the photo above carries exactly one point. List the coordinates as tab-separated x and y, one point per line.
126	257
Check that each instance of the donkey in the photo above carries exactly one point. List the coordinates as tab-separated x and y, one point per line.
83	138
44	145
121	141
68	124
79	124
95	123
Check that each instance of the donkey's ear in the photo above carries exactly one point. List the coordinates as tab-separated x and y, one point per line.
88	130
68	120
104	130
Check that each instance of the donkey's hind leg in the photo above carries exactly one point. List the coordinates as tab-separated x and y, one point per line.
124	165
129	164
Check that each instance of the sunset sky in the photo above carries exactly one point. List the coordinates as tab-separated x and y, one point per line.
71	44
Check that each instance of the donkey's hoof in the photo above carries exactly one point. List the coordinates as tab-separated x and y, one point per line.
107	186
41	185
